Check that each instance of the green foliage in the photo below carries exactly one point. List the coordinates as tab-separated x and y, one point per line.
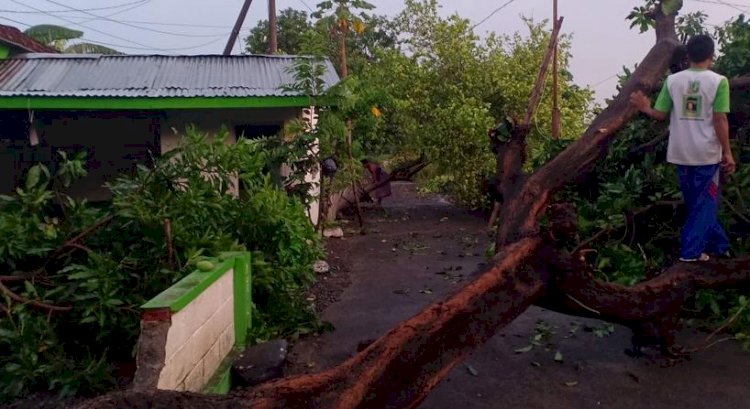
446	87
52	35
643	16
690	24
633	198
734	46
130	258
317	35
60	37
89	48
291	25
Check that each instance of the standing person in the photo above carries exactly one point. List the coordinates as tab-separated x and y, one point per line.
698	100
378	175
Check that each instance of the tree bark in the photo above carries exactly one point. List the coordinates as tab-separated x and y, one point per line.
523	206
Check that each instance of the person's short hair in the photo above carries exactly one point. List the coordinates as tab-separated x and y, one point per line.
700	48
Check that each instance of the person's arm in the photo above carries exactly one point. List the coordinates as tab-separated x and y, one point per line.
371	168
721	125
661	109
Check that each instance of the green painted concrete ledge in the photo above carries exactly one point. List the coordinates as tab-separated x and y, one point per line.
182	293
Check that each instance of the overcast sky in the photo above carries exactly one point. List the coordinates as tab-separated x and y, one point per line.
602	41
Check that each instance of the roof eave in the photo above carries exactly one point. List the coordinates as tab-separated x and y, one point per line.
158	104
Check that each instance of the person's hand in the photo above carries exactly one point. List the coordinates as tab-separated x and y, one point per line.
727	163
639	100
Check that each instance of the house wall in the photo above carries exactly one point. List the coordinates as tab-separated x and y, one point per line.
4	51
210	122
114	143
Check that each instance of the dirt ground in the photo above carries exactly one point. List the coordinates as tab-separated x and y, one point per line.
418	249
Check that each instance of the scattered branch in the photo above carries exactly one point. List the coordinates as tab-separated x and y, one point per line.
170	244
34	303
649	146
606	230
729	322
80	236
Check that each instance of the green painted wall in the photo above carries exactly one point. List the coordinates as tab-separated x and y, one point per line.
4	51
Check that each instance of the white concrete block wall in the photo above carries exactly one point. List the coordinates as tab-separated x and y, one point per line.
201	335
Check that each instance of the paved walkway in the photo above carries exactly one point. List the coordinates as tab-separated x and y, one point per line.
424	249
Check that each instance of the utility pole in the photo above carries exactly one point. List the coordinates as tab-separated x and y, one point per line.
237	27
273	41
555	86
344	67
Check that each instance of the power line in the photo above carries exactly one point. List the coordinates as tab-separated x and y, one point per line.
135	26
72	11
15	21
604	80
732	6
104	43
157	23
492	14
307	5
724	3
86	27
151	48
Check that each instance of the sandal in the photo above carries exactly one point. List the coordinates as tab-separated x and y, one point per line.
702	257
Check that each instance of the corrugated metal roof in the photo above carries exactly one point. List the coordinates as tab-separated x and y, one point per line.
74	75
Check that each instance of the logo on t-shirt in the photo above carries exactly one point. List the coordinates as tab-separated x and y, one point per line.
695	87
692	103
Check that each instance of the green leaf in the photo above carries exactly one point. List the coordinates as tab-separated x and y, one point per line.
558	357
29	288
32	179
7	334
88	320
527	348
88	48
669	7
48	33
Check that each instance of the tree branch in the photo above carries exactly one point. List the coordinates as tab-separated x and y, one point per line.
34	303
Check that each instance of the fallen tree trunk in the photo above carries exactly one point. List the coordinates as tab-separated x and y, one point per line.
400	368
339	201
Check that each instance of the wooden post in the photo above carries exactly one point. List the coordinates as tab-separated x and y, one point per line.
343	33
273	42
536	94
237	27
555	86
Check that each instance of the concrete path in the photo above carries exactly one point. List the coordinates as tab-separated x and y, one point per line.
421	249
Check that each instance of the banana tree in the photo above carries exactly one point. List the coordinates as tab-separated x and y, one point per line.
59	38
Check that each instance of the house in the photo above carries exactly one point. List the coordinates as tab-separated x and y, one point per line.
14	42
121	107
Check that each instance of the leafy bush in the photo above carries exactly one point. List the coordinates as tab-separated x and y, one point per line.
161	221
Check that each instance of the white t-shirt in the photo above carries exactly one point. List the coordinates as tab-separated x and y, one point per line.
693	96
